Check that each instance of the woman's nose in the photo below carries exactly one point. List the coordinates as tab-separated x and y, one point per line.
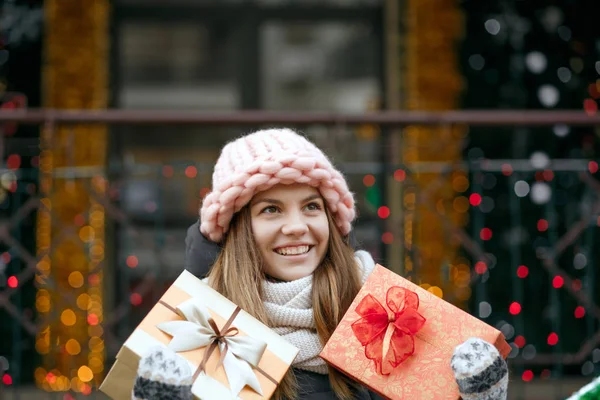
294	225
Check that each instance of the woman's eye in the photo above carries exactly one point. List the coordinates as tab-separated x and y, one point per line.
313	206
269	210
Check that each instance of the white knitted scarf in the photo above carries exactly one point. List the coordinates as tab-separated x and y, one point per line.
289	304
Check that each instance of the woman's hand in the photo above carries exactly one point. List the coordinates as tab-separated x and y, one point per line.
162	375
480	371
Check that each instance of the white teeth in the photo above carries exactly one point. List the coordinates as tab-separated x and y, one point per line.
292	251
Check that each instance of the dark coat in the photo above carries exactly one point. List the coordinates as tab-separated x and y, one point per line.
200	254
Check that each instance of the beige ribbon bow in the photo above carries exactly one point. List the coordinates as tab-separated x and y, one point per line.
238	353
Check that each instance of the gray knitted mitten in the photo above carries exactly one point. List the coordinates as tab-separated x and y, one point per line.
480	371
162	375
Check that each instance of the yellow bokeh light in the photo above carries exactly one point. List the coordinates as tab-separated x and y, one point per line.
85	374
76	279
72	346
96	364
41	346
460	184
63	383
83	301
461	204
43	265
76	384
87	234
436	291
40	374
463	293
68	317
42	304
96	344
95	330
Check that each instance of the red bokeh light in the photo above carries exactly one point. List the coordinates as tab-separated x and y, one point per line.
92	319
514	308
579	312
527	375
387	237
13	161
12	281
50	377
369	180
132	261
383	212
86	389
7	379
548	175
576	285
93	279
135	299
558	282
545	374
590	106
542	225
191	171
79	220
485	234
400	175
593	167
480	267
522	271
507	169
552	339
520	341
475	199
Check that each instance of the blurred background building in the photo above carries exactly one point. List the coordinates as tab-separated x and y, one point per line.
503	221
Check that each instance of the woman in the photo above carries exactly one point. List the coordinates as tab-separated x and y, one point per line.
281	215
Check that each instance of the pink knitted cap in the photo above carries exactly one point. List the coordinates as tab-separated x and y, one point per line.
261	160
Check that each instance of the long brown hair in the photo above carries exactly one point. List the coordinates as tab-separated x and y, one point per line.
238	274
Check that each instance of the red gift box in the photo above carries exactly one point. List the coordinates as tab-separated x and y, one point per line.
421	330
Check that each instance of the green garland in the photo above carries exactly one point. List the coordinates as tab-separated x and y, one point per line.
591	391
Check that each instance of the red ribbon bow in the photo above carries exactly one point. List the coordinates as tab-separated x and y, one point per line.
388	339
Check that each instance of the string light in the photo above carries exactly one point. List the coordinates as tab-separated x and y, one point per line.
191	171
557	282
132	261
400	175
78	37
368	180
515	308
383	212
387	237
527	375
12	282
520	341
485	234
506	169
522	271
480	267
475	199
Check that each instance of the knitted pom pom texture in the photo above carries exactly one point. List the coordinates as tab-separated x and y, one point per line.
261	160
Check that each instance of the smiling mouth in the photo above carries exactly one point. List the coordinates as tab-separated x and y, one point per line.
293	250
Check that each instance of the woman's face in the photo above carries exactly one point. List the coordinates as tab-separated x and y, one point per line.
290	229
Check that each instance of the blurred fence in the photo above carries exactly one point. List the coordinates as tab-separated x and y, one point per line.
486	221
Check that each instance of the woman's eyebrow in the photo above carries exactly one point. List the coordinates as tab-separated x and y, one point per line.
269	201
311	197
